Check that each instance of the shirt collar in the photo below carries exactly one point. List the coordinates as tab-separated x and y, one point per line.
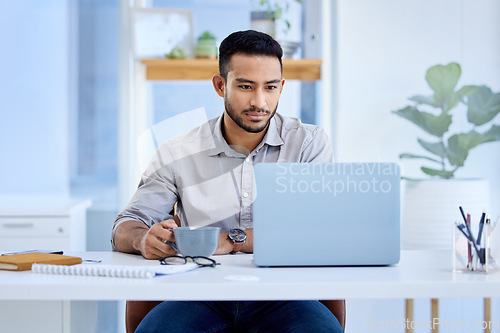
221	145
272	137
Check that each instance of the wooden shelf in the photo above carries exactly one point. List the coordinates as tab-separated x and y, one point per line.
204	69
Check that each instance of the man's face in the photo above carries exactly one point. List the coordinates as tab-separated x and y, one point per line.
252	91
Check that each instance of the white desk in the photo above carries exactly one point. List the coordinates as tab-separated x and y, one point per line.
419	274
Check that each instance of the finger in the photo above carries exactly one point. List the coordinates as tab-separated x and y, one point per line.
155	248
162	231
168	224
154	255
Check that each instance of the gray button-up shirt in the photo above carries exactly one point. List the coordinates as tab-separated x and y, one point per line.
212	183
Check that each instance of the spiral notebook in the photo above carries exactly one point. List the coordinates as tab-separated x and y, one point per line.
140	272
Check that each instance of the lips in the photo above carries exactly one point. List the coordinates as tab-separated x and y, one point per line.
256	115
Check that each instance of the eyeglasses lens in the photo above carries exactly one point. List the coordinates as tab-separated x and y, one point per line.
174	260
204	261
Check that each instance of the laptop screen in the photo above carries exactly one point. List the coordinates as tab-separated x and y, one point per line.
326	214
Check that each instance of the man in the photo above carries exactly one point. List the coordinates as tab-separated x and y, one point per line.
208	172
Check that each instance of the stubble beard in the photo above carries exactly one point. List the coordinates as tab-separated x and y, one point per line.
239	120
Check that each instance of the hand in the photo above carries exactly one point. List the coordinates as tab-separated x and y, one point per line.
153	243
226	245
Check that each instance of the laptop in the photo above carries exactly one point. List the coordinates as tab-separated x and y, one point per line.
326	214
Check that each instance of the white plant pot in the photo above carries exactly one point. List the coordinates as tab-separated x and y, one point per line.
430	208
260	21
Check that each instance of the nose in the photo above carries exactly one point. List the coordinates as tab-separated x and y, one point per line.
258	99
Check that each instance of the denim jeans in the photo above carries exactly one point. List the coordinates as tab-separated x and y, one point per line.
238	316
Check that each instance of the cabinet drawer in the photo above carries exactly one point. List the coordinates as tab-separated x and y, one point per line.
34	226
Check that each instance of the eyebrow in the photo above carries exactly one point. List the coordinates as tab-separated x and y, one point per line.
242	80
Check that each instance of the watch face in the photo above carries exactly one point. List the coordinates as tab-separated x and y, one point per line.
237	235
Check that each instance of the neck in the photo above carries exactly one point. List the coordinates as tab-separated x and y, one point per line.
240	140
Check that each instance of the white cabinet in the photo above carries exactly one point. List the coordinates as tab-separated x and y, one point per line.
44	223
49	223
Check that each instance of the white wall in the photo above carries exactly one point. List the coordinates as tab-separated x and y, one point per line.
384	49
34	95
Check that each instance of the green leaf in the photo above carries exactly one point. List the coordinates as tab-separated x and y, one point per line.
443	80
206	35
406	155
437	148
428	100
484	105
493	133
278	13
439	173
459	146
466	91
435	125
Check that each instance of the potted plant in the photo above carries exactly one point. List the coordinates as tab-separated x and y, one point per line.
206	46
430	207
263	18
177	53
450	150
273	10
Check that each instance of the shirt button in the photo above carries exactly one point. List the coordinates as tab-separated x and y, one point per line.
248	159
245	195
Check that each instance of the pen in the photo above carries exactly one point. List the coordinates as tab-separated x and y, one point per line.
463	214
478	254
481	225
469	249
486	244
472	240
462	228
469	254
172	244
469	237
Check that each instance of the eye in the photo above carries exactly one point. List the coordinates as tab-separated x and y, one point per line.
245	87
272	87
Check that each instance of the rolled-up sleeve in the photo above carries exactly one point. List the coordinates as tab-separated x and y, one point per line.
156	194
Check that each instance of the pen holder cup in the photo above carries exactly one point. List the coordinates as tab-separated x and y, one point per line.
468	257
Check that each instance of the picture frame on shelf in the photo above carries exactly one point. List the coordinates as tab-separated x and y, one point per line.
162	32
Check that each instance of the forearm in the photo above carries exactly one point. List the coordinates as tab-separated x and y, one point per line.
129	235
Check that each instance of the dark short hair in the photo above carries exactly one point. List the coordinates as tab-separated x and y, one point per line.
249	42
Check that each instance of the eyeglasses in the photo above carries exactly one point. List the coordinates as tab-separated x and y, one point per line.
181	260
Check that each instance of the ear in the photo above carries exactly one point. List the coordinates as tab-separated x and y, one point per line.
219	84
282	84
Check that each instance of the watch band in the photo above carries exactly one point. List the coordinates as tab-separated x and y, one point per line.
237	247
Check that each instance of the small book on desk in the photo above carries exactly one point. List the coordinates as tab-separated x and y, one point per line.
24	261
